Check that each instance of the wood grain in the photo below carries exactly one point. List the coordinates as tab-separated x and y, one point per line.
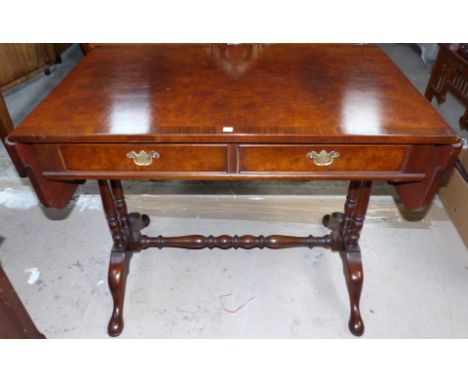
266	93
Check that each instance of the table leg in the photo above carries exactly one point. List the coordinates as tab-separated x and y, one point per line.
348	226
115	210
119	266
352	267
120	205
112	216
351	253
127	238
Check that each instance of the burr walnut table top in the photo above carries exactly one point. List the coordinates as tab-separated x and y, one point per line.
235	93
249	111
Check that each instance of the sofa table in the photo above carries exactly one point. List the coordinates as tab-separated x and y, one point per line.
231	112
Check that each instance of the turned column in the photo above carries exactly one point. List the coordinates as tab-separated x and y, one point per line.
112	216
350	206
359	215
120	204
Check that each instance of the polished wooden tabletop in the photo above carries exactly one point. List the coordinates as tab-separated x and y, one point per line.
235	93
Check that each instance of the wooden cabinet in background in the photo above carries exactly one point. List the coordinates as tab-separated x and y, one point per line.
15	321
19	61
450	74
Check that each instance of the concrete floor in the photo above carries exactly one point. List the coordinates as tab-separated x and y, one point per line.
415	264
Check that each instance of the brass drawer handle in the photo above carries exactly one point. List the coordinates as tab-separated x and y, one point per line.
143	158
323	158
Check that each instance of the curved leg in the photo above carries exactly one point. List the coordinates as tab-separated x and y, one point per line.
352	267
348	226
117	278
114	205
351	254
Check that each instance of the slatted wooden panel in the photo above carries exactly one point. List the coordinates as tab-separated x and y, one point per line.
19	60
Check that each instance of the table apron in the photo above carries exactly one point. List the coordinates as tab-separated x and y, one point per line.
142	161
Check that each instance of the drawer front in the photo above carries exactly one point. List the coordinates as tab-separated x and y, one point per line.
321	158
145	158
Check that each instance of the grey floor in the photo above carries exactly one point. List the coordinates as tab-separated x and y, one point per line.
415	264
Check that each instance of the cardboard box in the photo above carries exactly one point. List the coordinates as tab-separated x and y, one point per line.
454	197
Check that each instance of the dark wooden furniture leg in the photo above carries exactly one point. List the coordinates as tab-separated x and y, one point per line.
126	234
349	226
117	278
351	256
352	267
120	205
115	210
127	238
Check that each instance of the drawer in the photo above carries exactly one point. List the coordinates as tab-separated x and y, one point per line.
320	158
144	157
